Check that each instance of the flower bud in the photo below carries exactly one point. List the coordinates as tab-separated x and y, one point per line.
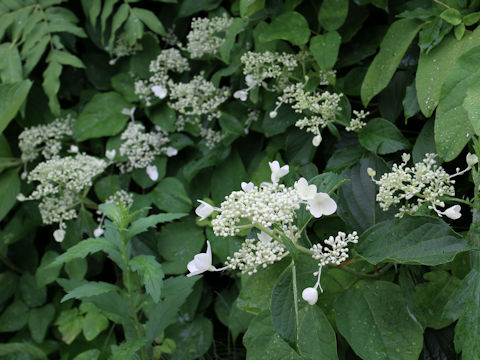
98	232
472	159
317	140
159	91
405	157
59	235
273	114
371	172
310	295
152	172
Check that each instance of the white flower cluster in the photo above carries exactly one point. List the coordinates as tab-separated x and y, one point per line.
141	147
157	85
61	184
122	48
120	196
254	254
426	182
321	108
337	250
207	35
197	97
45	139
357	121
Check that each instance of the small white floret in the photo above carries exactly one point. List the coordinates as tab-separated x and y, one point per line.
98	232
310	295
152	172
59	235
201	262
305	191
321	204
277	171
159	91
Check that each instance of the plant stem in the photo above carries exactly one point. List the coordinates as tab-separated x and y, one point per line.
441	3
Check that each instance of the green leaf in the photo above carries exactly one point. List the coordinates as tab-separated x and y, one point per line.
133	29
119	18
227	177
433	34
374	319
411	240
471	18
470	104
290	26
453	127
76	268
193	339
141	225
22	349
32	295
93	324
51	85
170	195
9	188
452	16
324	49
127	350
425	143
393	47
178	243
332	14
433	68
250	7
69	324
10	64
101	116
285	118
149	19
89	289
380	136
263	342
410	102
432	296
238	25
14	318
12	97
8	286
39	320
190	7
93	354
151	274
65	58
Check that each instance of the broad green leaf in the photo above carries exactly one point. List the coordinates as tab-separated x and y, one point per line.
263	342
380	136
92	354
23	349
432	34
236	28
227	177
8	286
192	339
32	295
9	188
190	7
285	118
452	16
93	324
324	49
433	68
410	102
77	268
432	296
69	324
178	243
471	106
374	319
393	47
425	142
411	240
170	195
345	157
316	337
83	248
89	289
356	198
229	314
65	58
12	97
14	317
101	116
471	18
151	274
290	26
453	128
141	225
149	19
10	64
332	14
127	350
119	18
51	85
39	320
250	7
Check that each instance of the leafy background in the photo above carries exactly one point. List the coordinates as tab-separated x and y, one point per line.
413	291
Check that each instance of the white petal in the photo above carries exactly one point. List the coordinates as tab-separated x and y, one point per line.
249	80
263	236
305	191
274	166
284	170
171	151
247	186
159	91
98	232
310	295
453	212
59	235
110	154
317	140
152	172
204	210
322	204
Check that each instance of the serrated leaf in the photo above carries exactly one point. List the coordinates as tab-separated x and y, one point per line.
151	274
12	97
65	58
93	324
69	324
89	289
411	240
394	45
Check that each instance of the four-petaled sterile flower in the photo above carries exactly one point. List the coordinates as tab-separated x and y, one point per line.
204	210
277	171
201	262
453	212
241	94
472	159
159	91
110	154
247	186
310	295
321	204
305	191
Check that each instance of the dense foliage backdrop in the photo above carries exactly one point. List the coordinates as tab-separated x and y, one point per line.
260	179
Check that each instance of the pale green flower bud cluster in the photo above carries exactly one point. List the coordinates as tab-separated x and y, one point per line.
141	147
120	196
61	183
212	137
122	48
413	186
197	97
207	35
357	121
45	139
337	250
254	254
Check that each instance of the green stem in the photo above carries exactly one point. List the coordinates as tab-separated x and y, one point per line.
304	250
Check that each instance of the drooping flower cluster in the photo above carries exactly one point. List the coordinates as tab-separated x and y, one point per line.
141	147
207	35
426	182
337	250
45	139
357	121
62	182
